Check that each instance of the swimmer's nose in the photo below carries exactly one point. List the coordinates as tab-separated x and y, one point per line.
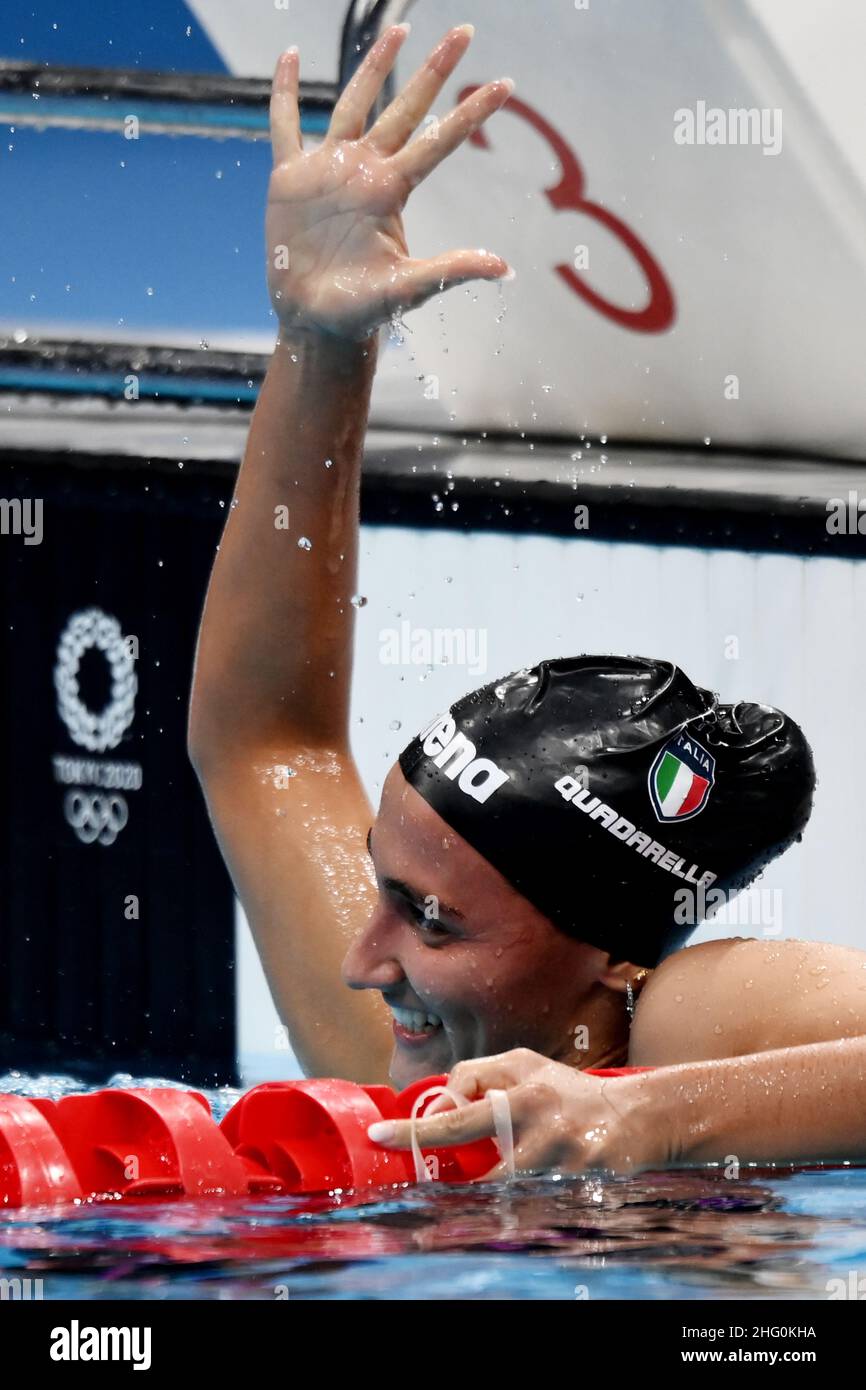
370	962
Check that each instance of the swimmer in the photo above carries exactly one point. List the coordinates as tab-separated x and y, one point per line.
509	914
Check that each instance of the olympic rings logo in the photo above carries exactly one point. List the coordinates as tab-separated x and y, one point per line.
95	818
91	628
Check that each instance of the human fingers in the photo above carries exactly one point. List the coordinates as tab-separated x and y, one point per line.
527	1105
397	122
284	114
438	1131
422	155
353	106
416	281
479	1074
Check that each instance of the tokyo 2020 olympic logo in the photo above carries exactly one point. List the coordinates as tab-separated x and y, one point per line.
93	807
103	729
95	818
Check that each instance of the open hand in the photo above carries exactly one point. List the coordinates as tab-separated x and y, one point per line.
337	254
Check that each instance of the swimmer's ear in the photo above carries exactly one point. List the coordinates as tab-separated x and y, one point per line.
617	975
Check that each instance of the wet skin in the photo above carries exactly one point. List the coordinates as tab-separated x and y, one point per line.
450	937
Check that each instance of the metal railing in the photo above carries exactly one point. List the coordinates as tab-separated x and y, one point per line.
215	105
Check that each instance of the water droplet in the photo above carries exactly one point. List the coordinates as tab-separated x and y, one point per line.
358	600
304	544
395	725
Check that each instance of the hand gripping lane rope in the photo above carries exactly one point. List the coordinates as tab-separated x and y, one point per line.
284	1137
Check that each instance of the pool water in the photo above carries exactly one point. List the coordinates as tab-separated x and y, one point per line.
687	1234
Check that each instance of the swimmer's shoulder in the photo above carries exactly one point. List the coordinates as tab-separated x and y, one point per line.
738	995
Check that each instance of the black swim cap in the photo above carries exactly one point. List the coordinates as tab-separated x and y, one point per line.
599	786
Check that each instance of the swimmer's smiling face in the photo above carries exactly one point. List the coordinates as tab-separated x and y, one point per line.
467	966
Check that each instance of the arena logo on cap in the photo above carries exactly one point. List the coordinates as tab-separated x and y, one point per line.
445	744
681	779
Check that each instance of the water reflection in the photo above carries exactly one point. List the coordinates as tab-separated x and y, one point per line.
682	1234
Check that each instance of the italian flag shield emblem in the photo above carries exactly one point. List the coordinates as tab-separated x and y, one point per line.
681	779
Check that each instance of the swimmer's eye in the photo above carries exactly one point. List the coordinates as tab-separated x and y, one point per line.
430	926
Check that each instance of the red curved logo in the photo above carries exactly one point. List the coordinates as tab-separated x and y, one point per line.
568	195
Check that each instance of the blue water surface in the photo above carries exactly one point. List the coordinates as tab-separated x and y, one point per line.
687	1234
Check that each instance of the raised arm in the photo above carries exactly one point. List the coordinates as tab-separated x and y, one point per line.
269	717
